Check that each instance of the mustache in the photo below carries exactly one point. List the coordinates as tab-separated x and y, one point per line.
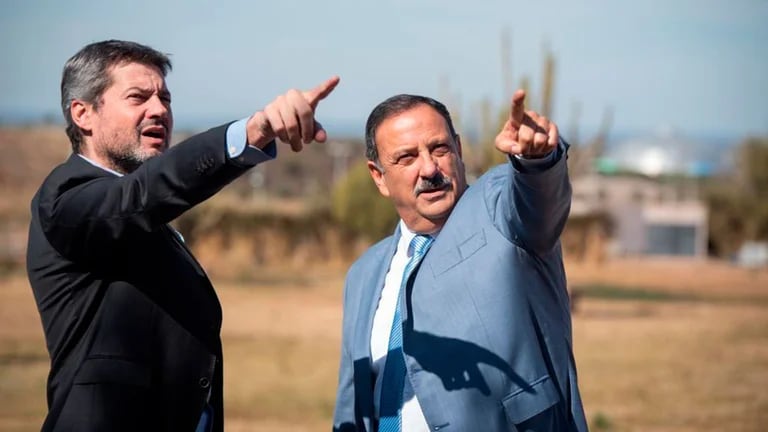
438	181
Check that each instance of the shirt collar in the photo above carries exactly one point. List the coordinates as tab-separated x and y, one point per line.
99	166
407	235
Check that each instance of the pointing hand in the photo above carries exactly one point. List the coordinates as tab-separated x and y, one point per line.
291	118
526	133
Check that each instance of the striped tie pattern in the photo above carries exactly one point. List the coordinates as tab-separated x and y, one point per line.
394	368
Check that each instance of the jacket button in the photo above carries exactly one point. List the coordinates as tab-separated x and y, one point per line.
205	382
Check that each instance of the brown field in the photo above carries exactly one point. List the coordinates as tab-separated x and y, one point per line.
689	353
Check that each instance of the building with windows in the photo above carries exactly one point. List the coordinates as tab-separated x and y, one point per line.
648	188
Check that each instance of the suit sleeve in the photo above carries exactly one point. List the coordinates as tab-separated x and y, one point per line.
530	207
83	215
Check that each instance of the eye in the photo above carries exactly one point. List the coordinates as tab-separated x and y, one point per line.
166	98
406	159
441	150
138	97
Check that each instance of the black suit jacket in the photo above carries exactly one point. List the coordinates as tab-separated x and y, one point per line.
131	321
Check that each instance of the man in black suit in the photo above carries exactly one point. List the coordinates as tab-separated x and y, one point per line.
131	321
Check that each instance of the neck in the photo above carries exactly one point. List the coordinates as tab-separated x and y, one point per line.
102	159
424	226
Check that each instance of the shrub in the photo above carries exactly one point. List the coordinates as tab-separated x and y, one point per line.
357	205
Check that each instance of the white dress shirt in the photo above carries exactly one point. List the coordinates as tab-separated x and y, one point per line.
412	416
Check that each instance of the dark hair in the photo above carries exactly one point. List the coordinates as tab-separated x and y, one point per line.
86	75
394	106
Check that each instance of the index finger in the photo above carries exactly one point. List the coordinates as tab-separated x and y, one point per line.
320	92
517	112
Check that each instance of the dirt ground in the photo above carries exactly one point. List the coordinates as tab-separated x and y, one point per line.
697	361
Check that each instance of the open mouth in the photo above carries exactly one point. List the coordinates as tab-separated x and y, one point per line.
155	132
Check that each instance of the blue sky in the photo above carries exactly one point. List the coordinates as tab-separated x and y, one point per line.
695	66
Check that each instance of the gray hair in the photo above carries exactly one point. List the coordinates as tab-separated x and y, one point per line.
393	106
87	75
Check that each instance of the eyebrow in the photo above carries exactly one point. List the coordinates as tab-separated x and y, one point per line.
407	148
162	92
439	141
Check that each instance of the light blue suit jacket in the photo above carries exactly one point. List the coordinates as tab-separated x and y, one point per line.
487	326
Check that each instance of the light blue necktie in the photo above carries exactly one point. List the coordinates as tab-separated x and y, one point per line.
391	400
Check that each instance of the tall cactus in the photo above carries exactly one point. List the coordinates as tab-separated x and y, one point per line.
547	82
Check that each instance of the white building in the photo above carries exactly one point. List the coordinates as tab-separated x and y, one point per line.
648	189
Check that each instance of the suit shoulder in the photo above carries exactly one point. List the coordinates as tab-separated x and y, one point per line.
66	175
487	185
371	256
496	174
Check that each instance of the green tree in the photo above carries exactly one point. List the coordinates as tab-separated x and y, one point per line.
357	205
738	204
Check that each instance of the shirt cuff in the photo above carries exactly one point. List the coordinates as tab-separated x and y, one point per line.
526	165
238	149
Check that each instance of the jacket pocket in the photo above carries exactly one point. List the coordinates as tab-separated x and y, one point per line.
525	403
463	250
114	371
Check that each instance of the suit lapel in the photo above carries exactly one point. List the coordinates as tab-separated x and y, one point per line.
174	237
81	167
370	301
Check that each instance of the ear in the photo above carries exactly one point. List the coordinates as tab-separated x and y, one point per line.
82	115
378	178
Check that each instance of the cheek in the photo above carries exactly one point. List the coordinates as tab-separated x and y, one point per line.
120	123
409	183
403	185
453	168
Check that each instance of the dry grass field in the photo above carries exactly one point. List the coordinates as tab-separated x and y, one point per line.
668	346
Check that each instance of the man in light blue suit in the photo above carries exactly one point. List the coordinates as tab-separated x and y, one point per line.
460	320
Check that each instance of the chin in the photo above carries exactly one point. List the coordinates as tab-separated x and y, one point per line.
154	151
440	206
439	213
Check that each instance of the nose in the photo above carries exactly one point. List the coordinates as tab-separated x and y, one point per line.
428	167
157	108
